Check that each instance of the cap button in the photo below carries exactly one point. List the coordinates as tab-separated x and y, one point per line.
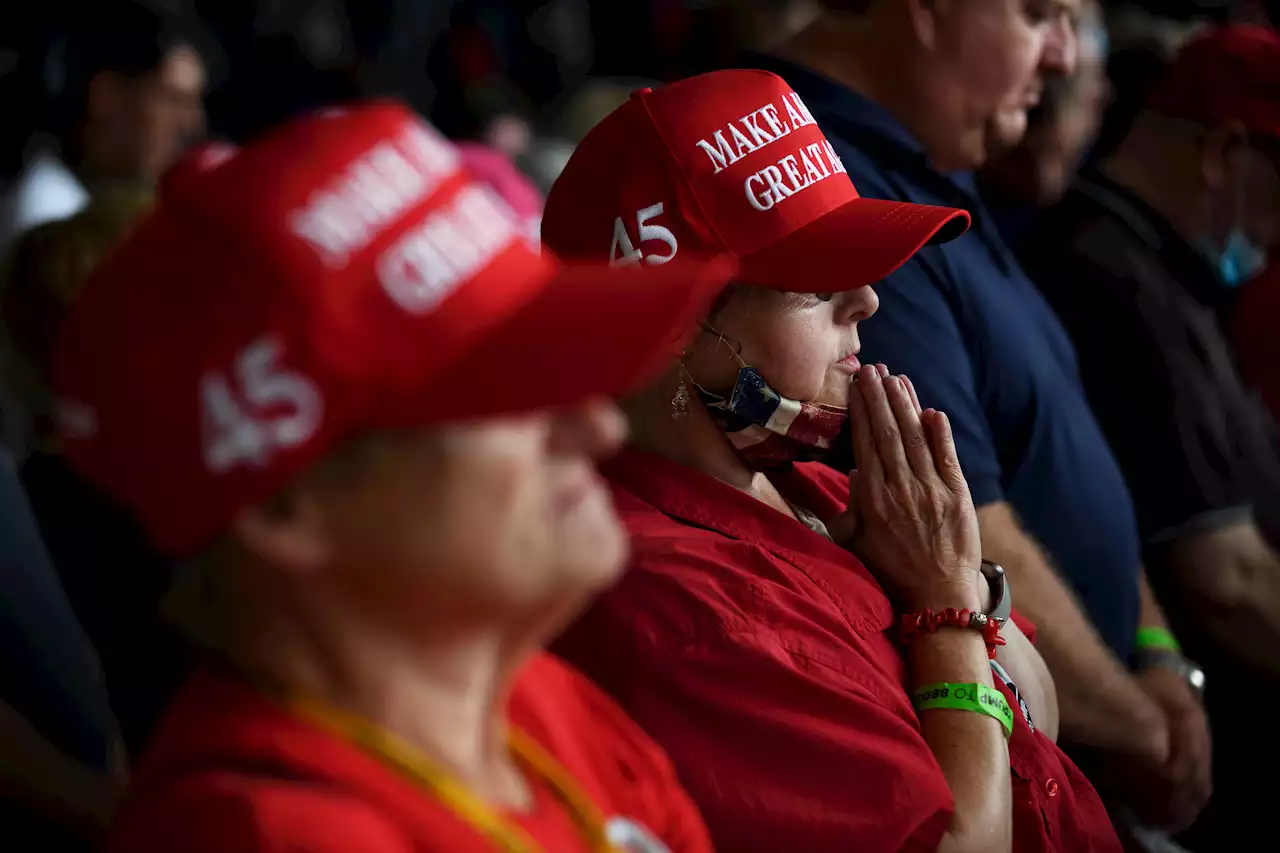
647	90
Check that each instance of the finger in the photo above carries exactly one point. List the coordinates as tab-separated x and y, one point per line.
1187	796
941	441
1181	768
870	471
914	441
884	428
1203	751
847	526
911	389
1187	770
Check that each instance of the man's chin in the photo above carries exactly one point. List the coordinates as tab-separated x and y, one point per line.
1005	132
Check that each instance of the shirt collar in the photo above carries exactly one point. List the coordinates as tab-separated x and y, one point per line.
865	123
692	497
1151	227
834	100
652	492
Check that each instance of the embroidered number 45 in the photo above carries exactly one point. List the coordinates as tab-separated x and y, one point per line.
264	410
623	251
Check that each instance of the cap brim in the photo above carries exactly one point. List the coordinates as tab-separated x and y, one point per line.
589	332
852	246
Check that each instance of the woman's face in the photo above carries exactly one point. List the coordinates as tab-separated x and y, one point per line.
805	345
493	519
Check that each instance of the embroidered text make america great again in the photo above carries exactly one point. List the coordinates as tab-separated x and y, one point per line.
759	129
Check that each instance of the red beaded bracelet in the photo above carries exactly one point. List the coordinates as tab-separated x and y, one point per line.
928	622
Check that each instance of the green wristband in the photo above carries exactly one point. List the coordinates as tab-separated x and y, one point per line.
978	698
1155	638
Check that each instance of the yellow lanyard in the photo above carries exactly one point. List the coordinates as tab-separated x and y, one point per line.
508	835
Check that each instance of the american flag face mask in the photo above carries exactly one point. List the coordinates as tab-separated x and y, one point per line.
769	430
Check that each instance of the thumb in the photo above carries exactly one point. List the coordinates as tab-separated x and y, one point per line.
848	525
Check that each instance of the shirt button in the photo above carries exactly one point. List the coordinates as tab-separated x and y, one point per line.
640	93
1051	787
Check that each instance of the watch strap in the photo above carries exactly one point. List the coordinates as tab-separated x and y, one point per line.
1175	662
1001	595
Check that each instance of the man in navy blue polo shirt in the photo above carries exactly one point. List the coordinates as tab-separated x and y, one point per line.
914	95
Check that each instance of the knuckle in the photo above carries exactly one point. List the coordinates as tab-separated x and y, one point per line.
916	441
901	495
887	433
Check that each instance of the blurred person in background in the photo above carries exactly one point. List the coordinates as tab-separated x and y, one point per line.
127	85
1141	261
1060	130
122	85
765	23
754	634
145	660
130	95
915	96
378	541
1142	44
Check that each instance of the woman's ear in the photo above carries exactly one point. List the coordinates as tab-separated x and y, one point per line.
1221	156
289	532
925	16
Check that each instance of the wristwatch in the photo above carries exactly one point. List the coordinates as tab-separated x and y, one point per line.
1001	595
1187	670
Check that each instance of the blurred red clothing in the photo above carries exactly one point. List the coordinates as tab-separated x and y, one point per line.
229	770
1258	334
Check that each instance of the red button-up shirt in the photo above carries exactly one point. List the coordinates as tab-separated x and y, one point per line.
230	770
759	654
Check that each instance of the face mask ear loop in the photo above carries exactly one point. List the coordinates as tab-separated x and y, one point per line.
735	349
1242	186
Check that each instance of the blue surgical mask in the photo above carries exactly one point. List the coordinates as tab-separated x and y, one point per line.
1238	261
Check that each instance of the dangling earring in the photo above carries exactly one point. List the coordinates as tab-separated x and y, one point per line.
681	401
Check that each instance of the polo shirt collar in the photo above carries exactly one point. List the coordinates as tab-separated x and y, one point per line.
837	101
849	113
1151	227
692	497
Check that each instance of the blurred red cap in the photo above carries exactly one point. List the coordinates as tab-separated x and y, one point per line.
1224	75
343	273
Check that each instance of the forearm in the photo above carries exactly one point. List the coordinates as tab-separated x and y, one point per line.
1230	578
970	748
1028	670
1099	702
35	773
1150	614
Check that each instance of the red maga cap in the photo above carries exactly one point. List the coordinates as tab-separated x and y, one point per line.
341	274
1224	75
731	162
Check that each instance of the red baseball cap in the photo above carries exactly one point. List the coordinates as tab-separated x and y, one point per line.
342	274
731	162
1224	75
